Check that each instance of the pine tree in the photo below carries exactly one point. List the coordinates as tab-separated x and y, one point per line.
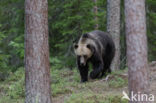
37	69
136	41
113	27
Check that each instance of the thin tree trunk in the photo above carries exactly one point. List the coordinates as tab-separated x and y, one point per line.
37	75
95	13
113	28
136	47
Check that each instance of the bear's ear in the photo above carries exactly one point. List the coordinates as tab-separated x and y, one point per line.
90	47
75	46
85	35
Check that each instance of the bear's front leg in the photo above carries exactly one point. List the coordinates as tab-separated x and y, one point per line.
83	73
97	66
96	72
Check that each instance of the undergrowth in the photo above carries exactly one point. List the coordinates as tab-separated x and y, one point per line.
66	85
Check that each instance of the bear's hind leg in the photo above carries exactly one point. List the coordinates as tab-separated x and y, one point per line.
106	69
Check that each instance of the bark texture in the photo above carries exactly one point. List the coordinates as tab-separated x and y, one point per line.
113	28
136	47
37	52
96	12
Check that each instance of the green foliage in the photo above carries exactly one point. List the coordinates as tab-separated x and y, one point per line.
66	87
151	31
68	19
13	89
16	89
11	34
56	63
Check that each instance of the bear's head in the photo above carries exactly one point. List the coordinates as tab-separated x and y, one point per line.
83	50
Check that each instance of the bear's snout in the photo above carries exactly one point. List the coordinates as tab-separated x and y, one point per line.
82	64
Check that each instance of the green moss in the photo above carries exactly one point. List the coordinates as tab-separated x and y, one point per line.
91	97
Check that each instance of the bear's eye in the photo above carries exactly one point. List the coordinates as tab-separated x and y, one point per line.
78	56
85	56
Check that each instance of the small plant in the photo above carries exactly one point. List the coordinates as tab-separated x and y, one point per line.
117	82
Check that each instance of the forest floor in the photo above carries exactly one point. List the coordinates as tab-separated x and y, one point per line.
66	87
106	90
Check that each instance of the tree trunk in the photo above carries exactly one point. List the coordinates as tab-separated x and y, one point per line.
113	28
136	47
95	13
37	75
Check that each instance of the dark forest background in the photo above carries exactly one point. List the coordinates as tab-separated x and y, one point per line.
68	19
